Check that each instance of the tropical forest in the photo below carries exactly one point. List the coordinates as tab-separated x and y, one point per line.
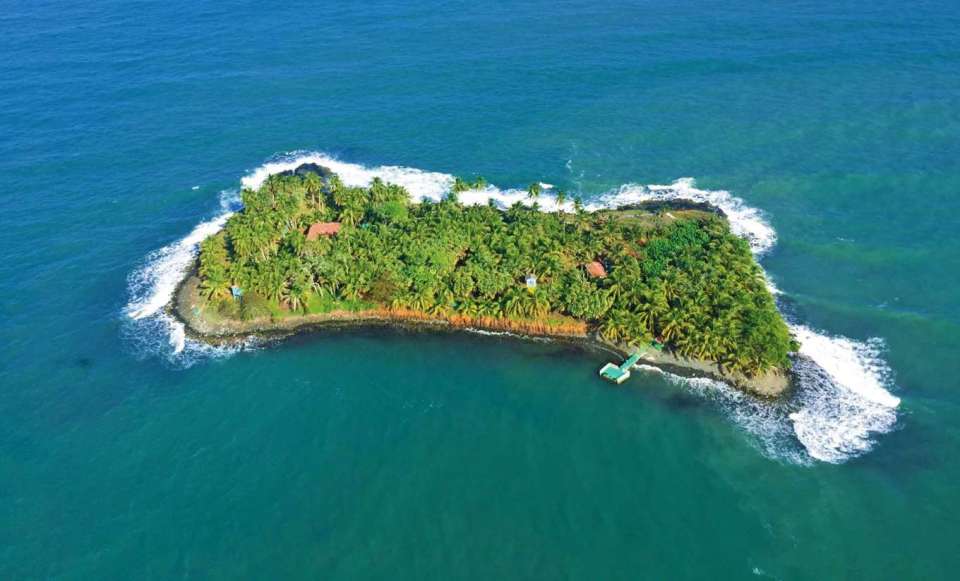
305	244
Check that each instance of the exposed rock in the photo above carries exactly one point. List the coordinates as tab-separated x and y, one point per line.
657	206
304	169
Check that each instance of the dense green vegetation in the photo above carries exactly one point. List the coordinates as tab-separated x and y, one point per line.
684	280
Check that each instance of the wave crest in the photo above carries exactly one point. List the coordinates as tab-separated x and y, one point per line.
841	400
842	395
745	221
151	288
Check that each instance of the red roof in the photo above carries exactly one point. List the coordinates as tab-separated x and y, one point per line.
322	229
596	269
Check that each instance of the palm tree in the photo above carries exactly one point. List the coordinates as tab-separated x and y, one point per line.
513	306
469	309
539	307
491	309
561	199
271	283
421	300
673	326
533	191
612	328
689	282
400	302
215	285
314	187
351	214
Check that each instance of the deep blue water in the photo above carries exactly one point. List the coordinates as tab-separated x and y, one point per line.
122	124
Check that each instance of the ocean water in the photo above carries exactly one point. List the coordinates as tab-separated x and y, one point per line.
828	131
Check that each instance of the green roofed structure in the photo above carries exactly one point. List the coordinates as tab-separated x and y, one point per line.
619	374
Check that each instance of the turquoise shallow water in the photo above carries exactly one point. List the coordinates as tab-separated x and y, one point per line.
122	459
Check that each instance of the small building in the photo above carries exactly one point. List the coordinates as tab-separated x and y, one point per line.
595	269
236	292
531	281
323	229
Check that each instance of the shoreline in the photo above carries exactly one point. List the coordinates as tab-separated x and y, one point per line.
184	308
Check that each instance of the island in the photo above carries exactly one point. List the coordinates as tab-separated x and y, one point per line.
667	282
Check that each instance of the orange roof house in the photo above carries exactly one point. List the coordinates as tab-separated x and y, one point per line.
323	229
595	269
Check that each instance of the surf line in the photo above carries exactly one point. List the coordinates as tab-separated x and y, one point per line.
843	394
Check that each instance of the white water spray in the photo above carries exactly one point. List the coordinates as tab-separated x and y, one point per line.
842	400
152	286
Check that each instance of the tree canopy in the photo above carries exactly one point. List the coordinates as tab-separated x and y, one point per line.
685	280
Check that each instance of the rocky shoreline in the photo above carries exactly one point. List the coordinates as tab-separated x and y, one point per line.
186	307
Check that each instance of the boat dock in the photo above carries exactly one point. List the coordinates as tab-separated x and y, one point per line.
620	373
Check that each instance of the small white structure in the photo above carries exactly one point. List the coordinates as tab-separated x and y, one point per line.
531	281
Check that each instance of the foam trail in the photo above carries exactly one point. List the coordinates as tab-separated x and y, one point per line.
745	221
842	396
422	185
766	423
856	366
178	337
842	399
487	333
839	405
152	286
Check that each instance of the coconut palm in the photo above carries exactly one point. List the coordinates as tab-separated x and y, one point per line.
534	190
689	281
561	199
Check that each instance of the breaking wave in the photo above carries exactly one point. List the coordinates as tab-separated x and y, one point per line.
151	288
745	221
421	184
767	423
841	401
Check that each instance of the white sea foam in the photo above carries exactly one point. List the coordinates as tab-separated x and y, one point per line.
766	423
487	333
854	365
421	184
826	419
745	221
842	399
152	286
648	368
